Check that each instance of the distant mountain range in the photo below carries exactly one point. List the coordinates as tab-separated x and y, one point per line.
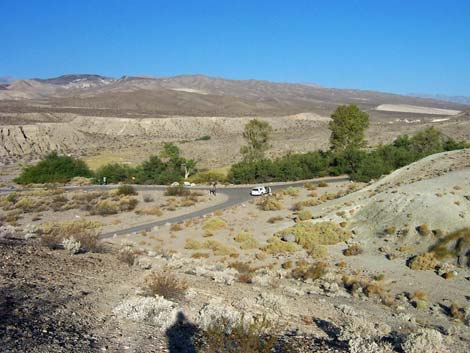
209	96
454	99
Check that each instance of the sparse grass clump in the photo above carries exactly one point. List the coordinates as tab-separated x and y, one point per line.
214	224
353	250
218	248
426	261
151	211
311	235
53	234
127	204
269	203
292	191
245	336
105	207
322	184
275	219
126	190
390	230
176	227
178	190
277	246
247	241
305	271
423	230
305	215
148	198
454	245
166	285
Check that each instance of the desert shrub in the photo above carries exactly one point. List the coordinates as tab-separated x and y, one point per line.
317	251
54	169
203	138
426	261
352	250
269	204
305	271
151	211
175	227
148	198
126	190
390	230
127	254
218	248
71	245
127	204
423	229
310	186
292	191
178	190
456	312
193	244
27	204
305	215
275	219
244	336
277	246
114	173
454	245
214	224
81	231
322	184
166	285
311	235
105	207
200	255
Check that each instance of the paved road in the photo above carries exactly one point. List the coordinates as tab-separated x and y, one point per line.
235	196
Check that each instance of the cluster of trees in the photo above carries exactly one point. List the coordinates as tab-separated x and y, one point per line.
54	168
347	154
166	168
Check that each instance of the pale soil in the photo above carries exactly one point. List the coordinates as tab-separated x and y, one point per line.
403	108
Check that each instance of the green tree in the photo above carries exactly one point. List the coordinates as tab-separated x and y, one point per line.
427	142
54	168
257	134
347	128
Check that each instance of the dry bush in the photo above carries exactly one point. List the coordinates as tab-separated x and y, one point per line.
304	271
322	184
455	312
193	244
148	198
214	224
200	255
292	191
390	230
105	207
277	246
244	336
82	231
423	230
269	203
177	191
127	204
449	275
27	205
305	215
126	190
166	285
287	265
247	241
275	219
454	245
127	254
245	271
151	211
311	235
176	227
426	261
352	250
310	186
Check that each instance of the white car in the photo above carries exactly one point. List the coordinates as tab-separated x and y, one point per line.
258	191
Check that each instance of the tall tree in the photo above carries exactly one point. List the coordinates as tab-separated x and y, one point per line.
347	128
257	134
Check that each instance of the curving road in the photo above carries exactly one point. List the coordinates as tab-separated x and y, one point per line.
235	196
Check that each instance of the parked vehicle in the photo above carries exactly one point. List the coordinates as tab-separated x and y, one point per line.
258	191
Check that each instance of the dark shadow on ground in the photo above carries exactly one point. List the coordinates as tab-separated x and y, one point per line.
181	335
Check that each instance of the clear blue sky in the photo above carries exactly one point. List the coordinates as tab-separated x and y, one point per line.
388	45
